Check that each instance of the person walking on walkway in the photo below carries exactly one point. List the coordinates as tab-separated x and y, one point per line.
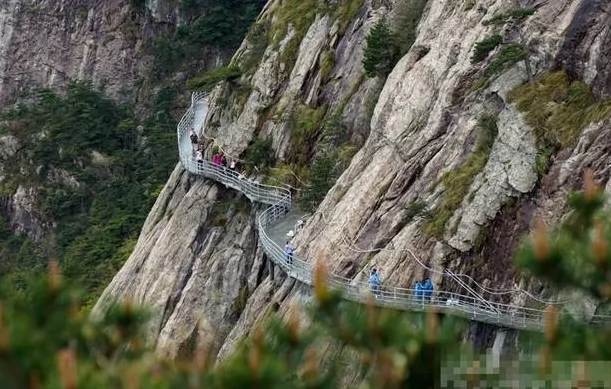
375	283
232	166
200	160
428	289
288	250
418	291
194	140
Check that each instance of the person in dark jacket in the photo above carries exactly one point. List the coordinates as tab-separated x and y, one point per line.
428	289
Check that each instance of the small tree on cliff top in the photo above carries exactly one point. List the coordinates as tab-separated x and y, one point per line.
46	342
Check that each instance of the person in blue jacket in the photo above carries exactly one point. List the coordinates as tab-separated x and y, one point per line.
428	289
418	290
375	282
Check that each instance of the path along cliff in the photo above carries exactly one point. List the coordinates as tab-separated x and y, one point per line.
197	258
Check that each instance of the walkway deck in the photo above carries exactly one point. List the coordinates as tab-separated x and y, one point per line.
278	219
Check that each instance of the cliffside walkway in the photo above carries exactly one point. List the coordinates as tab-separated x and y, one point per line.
280	205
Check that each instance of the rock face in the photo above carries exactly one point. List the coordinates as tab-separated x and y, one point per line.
423	126
56	41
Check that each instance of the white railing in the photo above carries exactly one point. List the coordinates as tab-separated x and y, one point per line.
279	199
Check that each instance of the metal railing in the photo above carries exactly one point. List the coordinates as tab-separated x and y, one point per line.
279	199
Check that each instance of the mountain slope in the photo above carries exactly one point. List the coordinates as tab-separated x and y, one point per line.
453	162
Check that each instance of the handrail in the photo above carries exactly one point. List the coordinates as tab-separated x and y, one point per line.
280	204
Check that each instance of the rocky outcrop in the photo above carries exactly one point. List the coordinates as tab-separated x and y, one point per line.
424	127
48	43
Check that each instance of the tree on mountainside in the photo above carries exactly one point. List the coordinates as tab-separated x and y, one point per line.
46	342
381	51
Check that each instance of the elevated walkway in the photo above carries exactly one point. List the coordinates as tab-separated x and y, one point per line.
276	220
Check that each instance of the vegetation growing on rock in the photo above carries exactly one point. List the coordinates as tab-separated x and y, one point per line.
558	109
387	43
508	56
99	213
456	183
484	47
211	23
517	14
46	341
208	79
381	52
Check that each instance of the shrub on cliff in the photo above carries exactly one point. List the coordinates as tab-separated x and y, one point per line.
46	341
381	51
208	79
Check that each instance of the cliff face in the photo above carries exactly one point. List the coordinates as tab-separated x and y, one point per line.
48	43
421	186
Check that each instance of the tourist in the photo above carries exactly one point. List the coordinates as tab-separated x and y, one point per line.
288	250
299	225
428	289
418	291
200	160
194	141
375	283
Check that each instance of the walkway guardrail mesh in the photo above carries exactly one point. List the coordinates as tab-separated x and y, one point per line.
279	199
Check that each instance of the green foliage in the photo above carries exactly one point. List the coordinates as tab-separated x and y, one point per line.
456	183
47	341
299	14
485	46
416	208
219	23
293	175
208	79
576	255
469	4
101	216
322	177
260	153
386	44
509	55
258	40
542	160
346	12
327	62
518	14
381	51
307	123
558	110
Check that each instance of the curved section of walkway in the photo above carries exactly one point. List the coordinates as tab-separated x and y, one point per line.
280	204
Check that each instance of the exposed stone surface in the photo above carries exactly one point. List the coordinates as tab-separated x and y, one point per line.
55	41
424	125
23	214
9	145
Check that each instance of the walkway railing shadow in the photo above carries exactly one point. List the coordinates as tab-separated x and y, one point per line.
279	199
